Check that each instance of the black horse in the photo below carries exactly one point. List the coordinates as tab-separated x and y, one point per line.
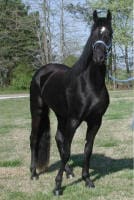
75	94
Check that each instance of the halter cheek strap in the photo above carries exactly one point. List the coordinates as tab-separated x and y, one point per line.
102	42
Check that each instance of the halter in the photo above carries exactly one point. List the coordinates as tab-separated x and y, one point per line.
102	42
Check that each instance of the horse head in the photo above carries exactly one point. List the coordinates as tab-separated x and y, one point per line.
101	37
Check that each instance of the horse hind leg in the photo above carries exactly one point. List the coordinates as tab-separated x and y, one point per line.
44	141
36	110
33	146
40	134
64	138
68	169
40	143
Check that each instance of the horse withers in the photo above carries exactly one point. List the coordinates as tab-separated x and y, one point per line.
74	94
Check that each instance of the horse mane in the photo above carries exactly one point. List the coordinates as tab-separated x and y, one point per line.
83	62
85	57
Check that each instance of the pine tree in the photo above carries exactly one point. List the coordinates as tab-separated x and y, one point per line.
18	40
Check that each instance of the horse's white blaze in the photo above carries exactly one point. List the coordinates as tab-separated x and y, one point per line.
103	29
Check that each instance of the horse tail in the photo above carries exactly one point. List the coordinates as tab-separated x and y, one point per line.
44	141
40	134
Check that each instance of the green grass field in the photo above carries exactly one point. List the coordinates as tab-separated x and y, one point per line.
111	163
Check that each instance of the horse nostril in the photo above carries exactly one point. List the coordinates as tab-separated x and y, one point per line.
99	59
102	58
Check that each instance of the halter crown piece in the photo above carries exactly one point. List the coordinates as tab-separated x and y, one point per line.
102	42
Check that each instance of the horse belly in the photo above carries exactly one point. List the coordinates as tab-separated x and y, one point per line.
53	96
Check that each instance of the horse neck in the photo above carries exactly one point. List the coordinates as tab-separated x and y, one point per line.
96	75
84	60
85	65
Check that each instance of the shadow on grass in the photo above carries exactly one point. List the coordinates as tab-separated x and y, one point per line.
100	164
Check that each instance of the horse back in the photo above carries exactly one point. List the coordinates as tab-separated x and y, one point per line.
42	74
50	81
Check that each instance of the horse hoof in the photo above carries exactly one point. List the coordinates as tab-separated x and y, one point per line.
89	184
35	177
70	176
58	192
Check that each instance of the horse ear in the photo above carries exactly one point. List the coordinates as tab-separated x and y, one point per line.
95	16
109	15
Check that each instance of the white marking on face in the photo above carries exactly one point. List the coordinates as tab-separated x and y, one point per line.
102	29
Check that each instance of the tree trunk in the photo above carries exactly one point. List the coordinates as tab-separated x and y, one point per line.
46	32
62	38
114	65
126	61
45	43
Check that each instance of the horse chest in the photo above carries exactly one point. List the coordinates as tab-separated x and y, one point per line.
93	102
97	104
86	102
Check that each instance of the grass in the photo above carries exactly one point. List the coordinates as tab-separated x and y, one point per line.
11	90
110	142
119	110
5	128
111	163
121	93
10	163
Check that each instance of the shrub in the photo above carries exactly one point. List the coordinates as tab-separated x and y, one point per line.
70	60
21	77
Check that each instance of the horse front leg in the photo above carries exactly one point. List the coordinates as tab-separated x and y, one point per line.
93	126
69	171
64	137
64	150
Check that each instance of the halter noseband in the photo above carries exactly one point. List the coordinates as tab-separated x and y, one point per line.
102	42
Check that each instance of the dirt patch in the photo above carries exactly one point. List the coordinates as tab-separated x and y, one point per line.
8	172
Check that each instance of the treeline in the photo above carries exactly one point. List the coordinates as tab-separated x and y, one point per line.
18	43
29	39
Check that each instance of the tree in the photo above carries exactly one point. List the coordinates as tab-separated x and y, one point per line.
18	41
46	32
62	37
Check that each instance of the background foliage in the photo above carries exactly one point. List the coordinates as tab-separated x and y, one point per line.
18	43
30	38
